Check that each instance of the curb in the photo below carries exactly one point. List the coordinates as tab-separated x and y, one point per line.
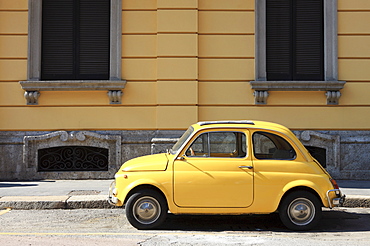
353	201
54	202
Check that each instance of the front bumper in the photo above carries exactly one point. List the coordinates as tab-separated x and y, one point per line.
112	199
336	201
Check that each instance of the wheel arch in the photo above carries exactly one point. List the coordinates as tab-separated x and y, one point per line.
145	187
301	188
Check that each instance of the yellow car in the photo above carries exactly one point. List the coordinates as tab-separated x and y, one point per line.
227	167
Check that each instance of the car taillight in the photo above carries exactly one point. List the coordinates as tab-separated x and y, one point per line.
334	183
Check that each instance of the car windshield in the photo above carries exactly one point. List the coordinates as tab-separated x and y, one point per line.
182	140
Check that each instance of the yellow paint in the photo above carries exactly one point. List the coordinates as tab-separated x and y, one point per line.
354	69
177	68
20	42
4	211
13	70
353	5
218	22
177	4
177	92
177	21
226	69
225	93
139	5
177	45
13	5
353	22
354	46
139	69
300	98
298	117
72	118
226	46
355	94
139	22
186	60
13	22
11	94
226	5
176	117
139	46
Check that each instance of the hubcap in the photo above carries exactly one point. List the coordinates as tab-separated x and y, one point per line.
146	210
301	211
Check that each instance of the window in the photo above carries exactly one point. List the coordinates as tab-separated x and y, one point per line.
35	45
294	40
219	144
75	39
286	65
270	146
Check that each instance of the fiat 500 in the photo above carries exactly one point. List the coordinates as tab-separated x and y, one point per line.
227	167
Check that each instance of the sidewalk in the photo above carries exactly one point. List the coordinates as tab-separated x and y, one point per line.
72	194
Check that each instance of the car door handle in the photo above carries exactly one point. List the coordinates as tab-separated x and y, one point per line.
249	167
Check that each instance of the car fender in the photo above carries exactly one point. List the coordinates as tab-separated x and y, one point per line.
123	195
305	184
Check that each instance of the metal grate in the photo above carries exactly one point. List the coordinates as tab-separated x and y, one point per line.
73	158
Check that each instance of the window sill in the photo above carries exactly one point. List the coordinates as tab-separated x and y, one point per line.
33	87
331	87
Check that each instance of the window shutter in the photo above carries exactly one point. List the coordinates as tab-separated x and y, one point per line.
75	39
94	31
309	40
278	40
57	39
294	40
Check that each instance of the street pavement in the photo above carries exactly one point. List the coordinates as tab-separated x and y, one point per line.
73	194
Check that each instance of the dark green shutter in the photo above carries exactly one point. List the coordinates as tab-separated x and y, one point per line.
75	39
294	40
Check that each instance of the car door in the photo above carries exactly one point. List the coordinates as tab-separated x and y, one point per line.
214	170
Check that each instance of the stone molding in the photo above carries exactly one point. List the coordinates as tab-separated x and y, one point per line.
74	138
32	88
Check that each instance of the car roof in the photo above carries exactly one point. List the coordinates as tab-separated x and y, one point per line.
241	124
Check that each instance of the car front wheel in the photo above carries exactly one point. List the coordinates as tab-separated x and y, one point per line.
300	210
146	209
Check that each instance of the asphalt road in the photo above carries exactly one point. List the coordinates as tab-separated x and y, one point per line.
342	226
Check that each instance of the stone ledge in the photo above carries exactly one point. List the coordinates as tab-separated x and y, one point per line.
72	85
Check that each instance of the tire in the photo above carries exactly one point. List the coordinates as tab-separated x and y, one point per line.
146	209
300	211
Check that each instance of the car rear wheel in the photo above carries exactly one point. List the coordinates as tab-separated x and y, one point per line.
300	210
146	209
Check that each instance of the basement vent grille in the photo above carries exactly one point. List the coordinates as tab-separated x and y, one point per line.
72	158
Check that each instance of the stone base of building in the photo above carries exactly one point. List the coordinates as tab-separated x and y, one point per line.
36	155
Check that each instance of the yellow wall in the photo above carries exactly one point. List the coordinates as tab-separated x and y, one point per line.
186	61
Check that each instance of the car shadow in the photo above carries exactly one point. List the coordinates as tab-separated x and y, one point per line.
332	221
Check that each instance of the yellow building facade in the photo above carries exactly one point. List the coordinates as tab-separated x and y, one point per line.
173	63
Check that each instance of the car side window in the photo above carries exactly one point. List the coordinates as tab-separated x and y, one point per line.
219	144
270	146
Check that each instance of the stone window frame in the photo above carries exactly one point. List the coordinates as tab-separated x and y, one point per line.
331	84
33	85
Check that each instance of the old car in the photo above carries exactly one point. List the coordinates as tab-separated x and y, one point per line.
227	167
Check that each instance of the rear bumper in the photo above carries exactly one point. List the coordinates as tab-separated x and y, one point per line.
336	201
